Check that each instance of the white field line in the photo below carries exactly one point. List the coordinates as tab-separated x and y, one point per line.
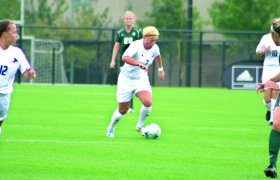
109	142
239	129
63	141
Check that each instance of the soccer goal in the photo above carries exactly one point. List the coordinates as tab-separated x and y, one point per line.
46	57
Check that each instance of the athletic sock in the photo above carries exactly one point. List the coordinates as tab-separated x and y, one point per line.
267	105
0	130
115	119
274	144
272	106
144	112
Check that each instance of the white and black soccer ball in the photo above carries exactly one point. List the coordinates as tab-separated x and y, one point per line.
152	131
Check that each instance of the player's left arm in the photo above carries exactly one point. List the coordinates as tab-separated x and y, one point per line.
161	73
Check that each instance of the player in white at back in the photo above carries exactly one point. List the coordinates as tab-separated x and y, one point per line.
133	78
11	59
268	48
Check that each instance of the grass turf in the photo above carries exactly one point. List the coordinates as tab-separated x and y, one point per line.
58	132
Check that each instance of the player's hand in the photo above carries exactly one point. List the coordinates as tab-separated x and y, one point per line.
267	85
112	64
260	88
30	73
161	75
142	66
267	49
271	85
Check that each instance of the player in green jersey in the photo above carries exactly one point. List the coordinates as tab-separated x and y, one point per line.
271	83
124	37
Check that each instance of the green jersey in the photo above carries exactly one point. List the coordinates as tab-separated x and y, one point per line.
125	38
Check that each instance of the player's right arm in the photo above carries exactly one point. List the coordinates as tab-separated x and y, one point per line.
263	46
114	54
262	52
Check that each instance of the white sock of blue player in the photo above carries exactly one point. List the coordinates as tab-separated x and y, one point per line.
0	130
272	105
144	112
115	119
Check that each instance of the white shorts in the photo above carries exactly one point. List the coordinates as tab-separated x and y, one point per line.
269	72
4	105
126	87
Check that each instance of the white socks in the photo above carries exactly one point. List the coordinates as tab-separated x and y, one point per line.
144	112
272	106
115	119
267	105
0	130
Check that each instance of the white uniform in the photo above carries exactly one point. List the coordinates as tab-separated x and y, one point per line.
11	60
133	79
271	58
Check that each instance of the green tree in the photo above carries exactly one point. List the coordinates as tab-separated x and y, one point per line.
172	14
253	15
10	9
57	13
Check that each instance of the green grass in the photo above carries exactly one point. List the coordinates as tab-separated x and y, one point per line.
58	132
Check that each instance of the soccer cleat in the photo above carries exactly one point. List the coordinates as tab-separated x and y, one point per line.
140	129
267	115
270	171
110	133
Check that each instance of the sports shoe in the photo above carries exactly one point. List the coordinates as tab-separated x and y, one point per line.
131	110
110	133
140	129
267	115
270	171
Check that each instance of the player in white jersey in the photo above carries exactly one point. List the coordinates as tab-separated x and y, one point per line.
133	78
11	59
268	48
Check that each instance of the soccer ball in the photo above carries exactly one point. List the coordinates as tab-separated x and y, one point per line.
152	131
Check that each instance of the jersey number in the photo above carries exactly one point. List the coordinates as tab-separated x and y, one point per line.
3	70
127	40
274	53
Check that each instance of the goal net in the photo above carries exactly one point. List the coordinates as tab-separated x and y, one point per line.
46	57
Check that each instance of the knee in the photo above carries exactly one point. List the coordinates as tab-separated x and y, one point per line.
276	126
147	103
266	100
123	111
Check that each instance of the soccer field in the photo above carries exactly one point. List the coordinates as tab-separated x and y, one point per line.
58	132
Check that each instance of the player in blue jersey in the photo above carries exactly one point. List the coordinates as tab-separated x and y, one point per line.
12	59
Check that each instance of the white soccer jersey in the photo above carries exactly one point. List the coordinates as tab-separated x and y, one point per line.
271	57
11	60
137	51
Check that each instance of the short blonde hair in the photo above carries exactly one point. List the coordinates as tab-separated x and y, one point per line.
129	13
275	26
150	31
275	20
